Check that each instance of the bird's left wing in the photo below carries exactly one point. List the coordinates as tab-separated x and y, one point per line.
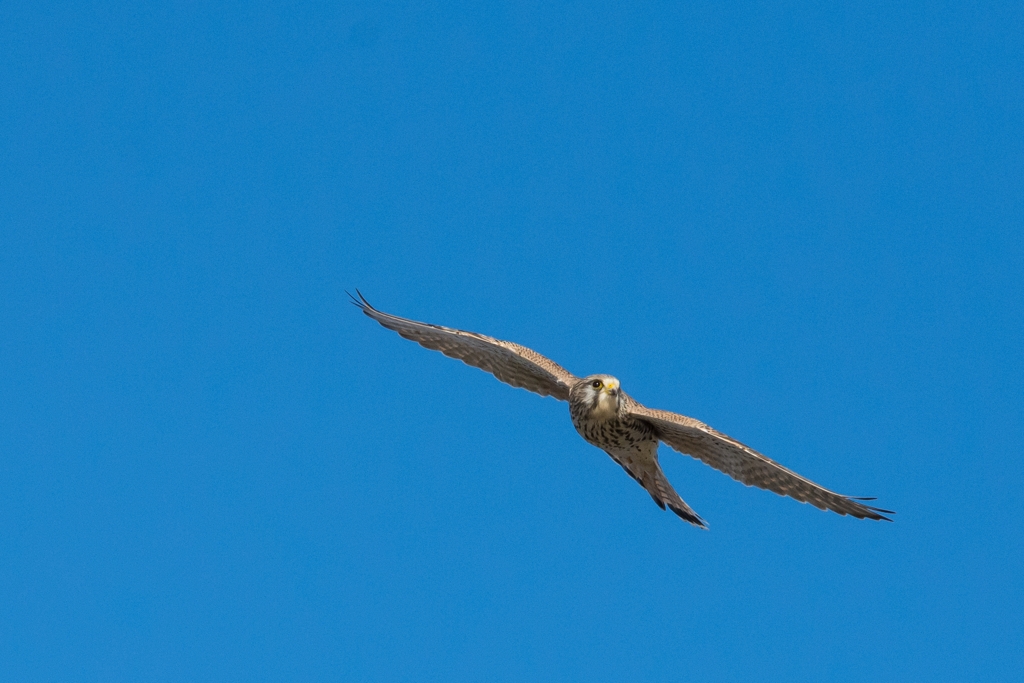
746	465
511	363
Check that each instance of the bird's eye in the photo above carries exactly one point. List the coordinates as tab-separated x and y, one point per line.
596	384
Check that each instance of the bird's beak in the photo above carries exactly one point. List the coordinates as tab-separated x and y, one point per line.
611	388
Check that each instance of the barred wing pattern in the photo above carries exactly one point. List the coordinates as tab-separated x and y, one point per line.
510	363
744	464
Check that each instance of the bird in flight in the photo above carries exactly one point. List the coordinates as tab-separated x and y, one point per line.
608	418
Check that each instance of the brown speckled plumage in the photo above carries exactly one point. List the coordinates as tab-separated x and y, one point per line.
628	431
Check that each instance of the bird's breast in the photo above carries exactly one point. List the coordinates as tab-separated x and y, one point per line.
613	433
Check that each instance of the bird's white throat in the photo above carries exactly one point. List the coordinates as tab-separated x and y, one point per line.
607	407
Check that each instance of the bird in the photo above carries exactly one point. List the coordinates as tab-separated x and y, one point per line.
608	418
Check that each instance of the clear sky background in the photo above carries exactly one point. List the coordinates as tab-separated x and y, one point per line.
800	224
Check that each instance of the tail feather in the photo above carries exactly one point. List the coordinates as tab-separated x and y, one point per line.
648	473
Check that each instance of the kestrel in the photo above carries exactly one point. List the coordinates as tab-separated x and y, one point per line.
608	418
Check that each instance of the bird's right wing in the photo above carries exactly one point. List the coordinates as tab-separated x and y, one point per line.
511	363
746	465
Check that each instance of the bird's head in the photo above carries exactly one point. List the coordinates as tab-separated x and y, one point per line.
601	394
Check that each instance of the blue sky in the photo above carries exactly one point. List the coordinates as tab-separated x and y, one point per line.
800	224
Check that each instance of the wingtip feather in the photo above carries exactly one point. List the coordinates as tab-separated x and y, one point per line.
361	302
